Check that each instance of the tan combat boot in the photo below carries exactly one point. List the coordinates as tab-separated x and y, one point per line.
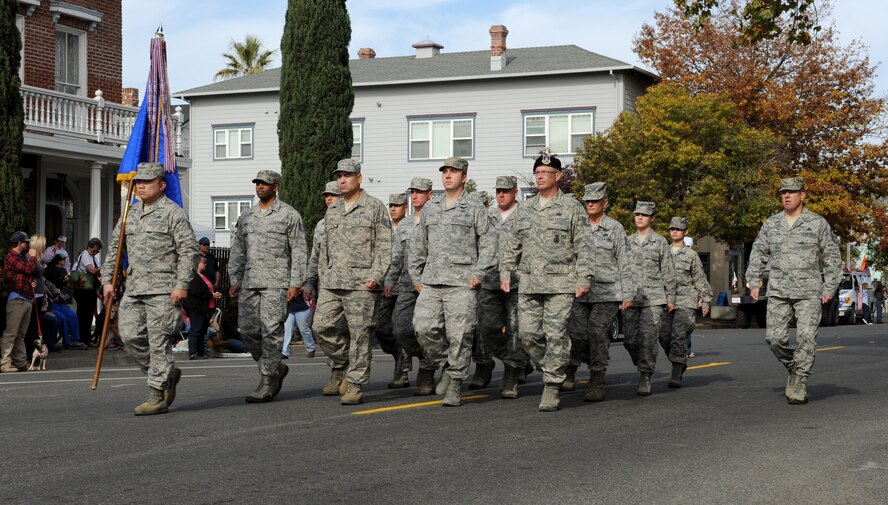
425	382
172	381
570	379
644	384
596	388
154	404
549	400
353	395
678	370
332	387
453	396
400	381
264	392
790	384
509	384
799	394
482	375
278	380
443	384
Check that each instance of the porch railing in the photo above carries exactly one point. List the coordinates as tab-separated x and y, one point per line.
91	119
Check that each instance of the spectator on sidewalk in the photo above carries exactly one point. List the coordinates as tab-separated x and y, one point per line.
879	295
88	276
59	296
58	248
212	270
199	306
299	315
18	267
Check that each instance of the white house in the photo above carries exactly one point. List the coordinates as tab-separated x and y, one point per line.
495	108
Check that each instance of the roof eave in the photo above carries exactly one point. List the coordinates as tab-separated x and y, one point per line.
183	95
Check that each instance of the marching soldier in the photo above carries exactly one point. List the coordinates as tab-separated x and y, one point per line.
399	278
691	288
449	256
613	287
385	307
550	249
270	238
498	311
805	269
655	274
355	255
162	254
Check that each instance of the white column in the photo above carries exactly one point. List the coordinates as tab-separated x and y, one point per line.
95	199
41	202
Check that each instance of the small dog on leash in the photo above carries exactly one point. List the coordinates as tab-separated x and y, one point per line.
39	356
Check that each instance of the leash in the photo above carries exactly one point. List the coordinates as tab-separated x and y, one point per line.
37	315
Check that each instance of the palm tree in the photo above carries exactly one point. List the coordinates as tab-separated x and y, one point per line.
245	58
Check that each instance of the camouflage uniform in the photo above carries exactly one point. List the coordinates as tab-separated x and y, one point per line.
268	256
385	307
162	255
356	247
655	274
691	285
498	311
796	257
593	314
549	248
450	247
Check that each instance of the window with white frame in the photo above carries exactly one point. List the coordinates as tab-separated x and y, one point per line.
20	24
70	71
232	142
562	132
357	141
227	210
437	139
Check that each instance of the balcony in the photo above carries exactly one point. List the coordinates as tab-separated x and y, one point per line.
91	119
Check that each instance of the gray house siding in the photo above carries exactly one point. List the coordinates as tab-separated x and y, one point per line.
497	107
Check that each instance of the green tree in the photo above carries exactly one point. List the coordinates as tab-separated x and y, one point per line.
314	128
690	154
759	19
12	211
245	58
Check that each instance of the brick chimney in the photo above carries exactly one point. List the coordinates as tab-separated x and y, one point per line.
129	97
498	59
366	53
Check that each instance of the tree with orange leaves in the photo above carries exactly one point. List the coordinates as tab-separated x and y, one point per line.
818	98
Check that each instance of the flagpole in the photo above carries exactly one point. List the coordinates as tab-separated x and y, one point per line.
110	300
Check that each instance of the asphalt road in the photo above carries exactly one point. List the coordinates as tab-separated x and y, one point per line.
727	436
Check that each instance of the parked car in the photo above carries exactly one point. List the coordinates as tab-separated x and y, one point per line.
851	297
749	309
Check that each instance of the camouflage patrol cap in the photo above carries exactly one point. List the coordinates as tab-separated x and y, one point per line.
506	182
348	166
646	208
148	171
595	191
267	176
420	184
457	163
397	199
332	188
678	223
792	184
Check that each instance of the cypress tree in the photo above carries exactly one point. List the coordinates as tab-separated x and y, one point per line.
314	128
12	210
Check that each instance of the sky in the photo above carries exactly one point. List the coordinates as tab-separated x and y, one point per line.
199	31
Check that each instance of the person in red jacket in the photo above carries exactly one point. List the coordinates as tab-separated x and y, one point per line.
18	266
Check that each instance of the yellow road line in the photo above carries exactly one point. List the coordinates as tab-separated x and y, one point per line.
831	348
413	405
709	365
